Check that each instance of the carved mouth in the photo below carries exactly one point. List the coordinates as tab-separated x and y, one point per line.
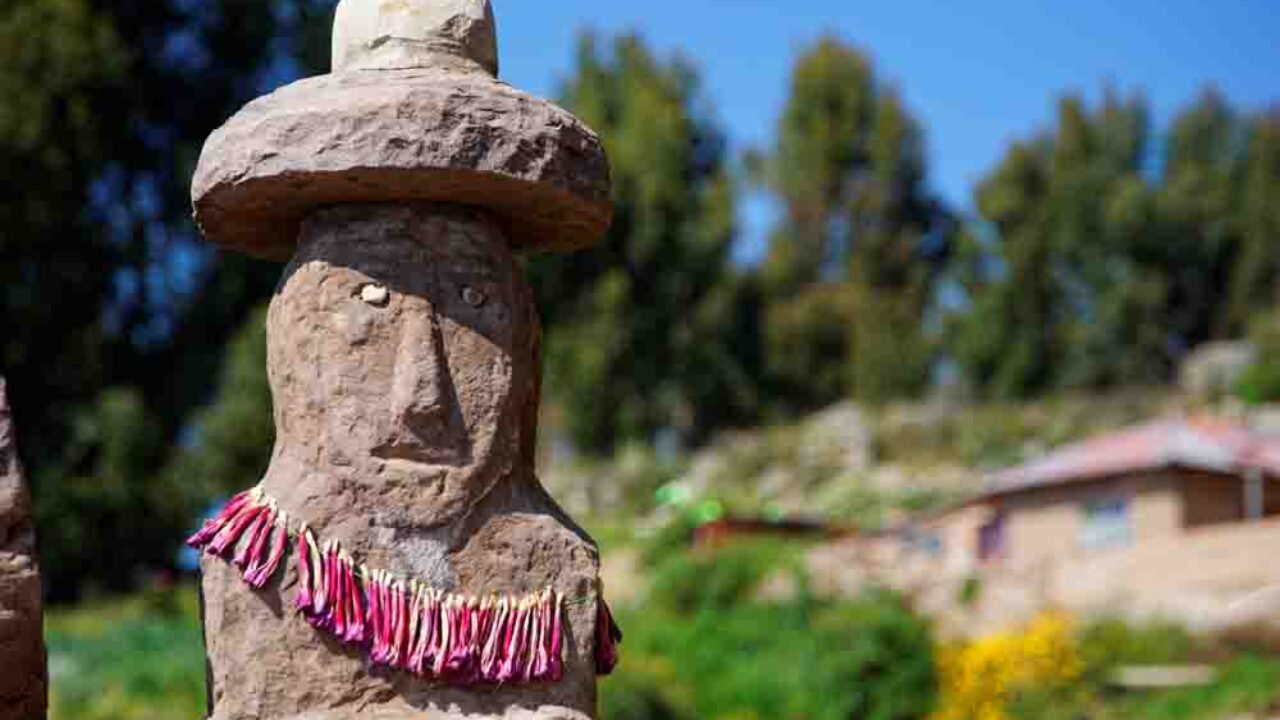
455	453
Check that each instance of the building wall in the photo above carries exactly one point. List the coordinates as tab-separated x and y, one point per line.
1046	524
1212	499
1212	578
1209	578
1187	557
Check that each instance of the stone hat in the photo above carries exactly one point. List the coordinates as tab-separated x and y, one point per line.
411	112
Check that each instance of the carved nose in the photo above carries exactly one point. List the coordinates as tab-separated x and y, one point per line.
419	394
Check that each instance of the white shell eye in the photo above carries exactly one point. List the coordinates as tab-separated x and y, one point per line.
375	295
473	297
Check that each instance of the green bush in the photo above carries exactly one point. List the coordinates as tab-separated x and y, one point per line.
1108	643
712	580
871	660
646	690
1261	383
1247	687
132	660
808	345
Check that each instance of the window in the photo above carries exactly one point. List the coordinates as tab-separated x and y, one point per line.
926	542
1105	524
991	539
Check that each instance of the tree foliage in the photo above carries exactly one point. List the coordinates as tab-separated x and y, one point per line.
1095	265
114	316
861	239
654	329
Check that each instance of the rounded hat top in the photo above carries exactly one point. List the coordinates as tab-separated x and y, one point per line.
412	112
399	34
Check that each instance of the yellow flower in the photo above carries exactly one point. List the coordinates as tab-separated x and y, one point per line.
977	679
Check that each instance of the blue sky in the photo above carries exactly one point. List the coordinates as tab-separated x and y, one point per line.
977	73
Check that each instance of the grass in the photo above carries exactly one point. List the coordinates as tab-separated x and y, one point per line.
1247	687
139	658
723	656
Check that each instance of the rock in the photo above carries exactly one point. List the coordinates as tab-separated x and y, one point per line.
1213	369
839	434
375	34
23	681
402	135
406	432
404	351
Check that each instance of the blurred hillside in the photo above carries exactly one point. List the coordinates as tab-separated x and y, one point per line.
859	468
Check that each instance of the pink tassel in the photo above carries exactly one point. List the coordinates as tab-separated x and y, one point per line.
608	635
382	616
373	585
420	658
260	574
512	666
437	647
338	608
415	625
531	640
322	611
356	631
538	664
445	644
387	620
213	526
395	621
555	672
400	649
485	618
459	653
305	599
491	657
251	553
234	530
319	584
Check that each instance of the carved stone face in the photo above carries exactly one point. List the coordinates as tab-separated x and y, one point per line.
403	352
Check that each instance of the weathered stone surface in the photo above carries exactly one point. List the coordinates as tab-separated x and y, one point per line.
406	431
22	656
418	134
382	35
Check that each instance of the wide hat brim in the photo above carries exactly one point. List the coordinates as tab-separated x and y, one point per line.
401	135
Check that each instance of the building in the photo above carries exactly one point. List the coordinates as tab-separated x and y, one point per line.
1178	517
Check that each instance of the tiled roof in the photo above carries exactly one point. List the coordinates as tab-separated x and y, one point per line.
1196	443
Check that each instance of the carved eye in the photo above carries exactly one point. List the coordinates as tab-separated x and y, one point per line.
375	295
473	297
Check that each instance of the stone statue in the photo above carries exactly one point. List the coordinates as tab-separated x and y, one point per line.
23	683
404	357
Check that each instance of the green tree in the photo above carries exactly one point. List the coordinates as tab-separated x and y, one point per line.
1199	211
1261	382
1066	274
654	329
858	221
108	302
1255	280
234	436
1089	267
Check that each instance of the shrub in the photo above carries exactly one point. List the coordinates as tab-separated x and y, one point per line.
710	580
980	678
1108	643
1261	382
871	660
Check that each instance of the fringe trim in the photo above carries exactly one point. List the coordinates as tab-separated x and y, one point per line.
401	623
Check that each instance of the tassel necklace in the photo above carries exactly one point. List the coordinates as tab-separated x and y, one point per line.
401	623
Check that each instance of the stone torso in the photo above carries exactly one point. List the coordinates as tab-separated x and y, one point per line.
22	657
404	362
